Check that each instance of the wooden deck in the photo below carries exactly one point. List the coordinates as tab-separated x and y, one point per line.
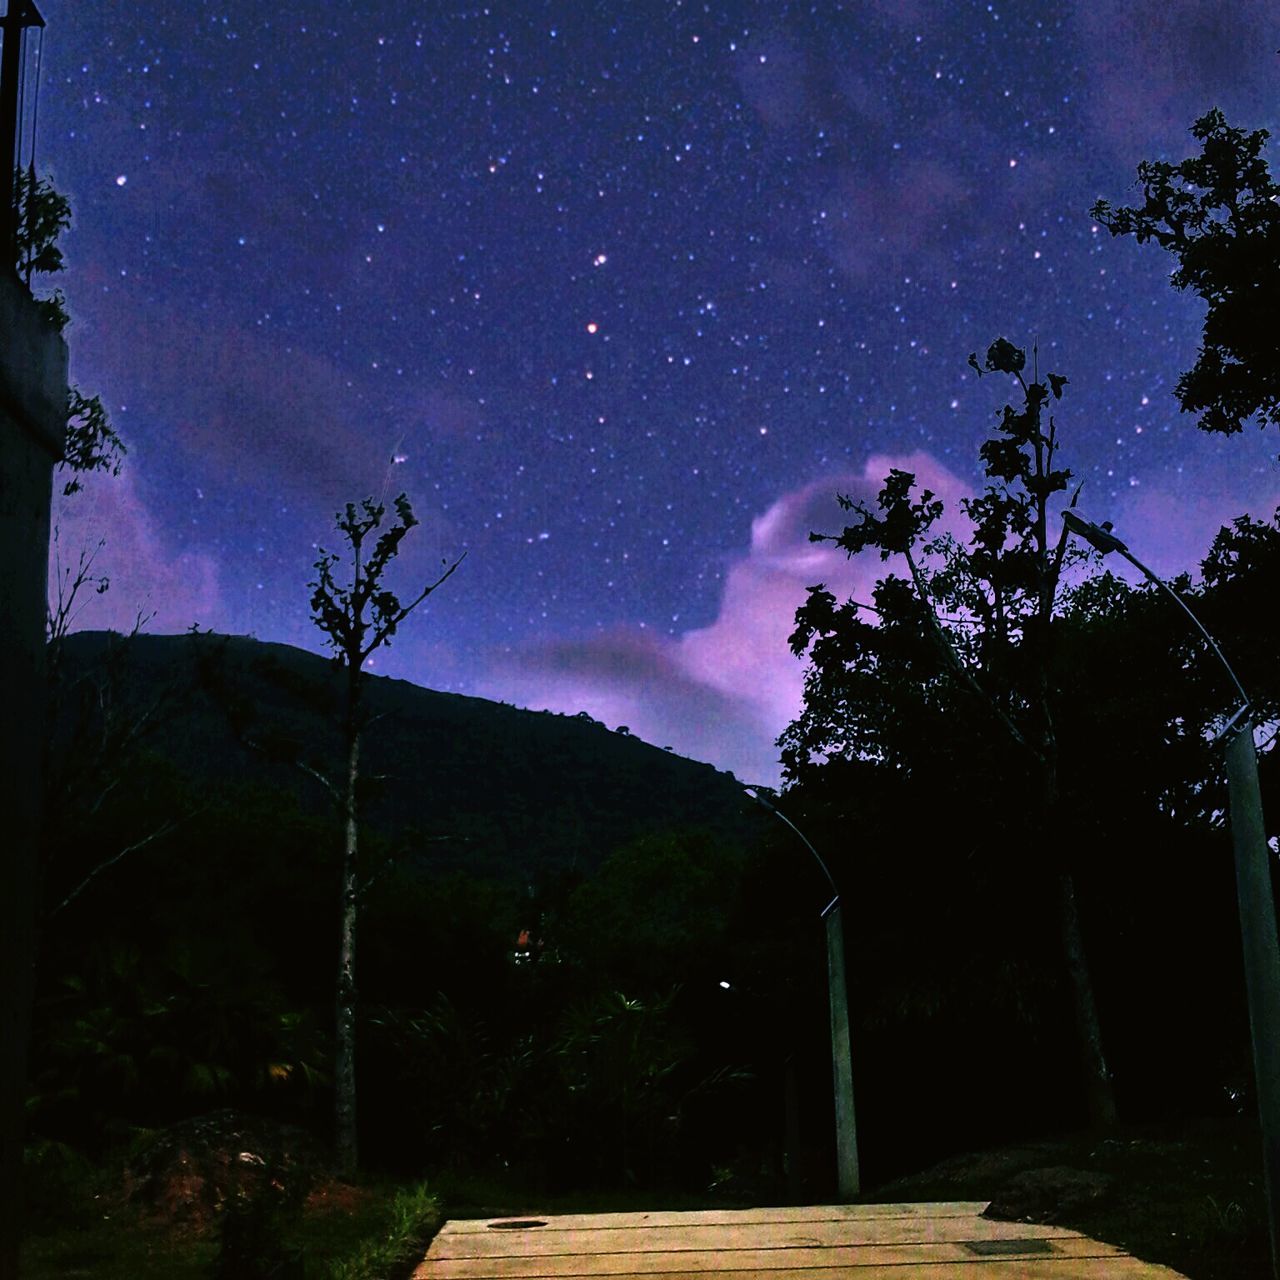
863	1242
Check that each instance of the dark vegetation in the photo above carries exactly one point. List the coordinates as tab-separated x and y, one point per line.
551	908
198	969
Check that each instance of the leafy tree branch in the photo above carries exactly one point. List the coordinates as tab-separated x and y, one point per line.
1218	214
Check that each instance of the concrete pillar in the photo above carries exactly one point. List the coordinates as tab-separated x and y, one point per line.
33	417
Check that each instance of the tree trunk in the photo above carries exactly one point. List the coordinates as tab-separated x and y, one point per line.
344	1064
1099	1092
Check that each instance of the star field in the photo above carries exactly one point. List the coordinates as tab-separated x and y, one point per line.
614	292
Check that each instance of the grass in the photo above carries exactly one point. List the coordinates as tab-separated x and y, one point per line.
376	1231
409	1219
115	1250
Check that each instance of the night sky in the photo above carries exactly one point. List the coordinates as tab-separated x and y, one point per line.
621	294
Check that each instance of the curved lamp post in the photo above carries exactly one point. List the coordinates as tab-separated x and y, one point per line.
1253	887
848	1178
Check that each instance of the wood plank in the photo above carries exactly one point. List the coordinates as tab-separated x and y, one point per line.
1121	1268
736	1262
715	1217
819	1242
554	1240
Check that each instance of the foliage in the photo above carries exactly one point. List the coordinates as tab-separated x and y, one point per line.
360	617
125	1039
1218	213
960	666
658	911
967	628
455	1079
43	215
628	1068
53	1176
576	1056
91	443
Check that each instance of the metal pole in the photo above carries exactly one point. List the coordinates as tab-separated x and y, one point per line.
10	69
20	15
1261	958
848	1178
847	1175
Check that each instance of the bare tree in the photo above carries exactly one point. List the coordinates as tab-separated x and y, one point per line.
357	618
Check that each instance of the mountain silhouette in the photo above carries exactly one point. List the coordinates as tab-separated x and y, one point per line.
480	786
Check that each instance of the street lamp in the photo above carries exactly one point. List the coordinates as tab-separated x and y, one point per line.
848	1178
1253	888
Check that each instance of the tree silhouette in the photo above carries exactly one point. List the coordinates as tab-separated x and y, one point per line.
357	618
958	663
44	213
1218	213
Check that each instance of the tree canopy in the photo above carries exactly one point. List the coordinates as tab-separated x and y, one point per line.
967	621
1218	213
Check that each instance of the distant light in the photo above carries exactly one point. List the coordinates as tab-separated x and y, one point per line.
724	986
592	327
121	180
599	260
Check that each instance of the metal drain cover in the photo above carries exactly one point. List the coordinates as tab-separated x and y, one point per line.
1002	1248
516	1224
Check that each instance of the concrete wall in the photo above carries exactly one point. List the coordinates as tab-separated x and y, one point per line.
33	415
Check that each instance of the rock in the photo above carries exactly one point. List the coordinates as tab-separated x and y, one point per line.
1048	1195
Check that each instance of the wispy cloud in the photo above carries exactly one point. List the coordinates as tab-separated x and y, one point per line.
725	692
148	575
1150	67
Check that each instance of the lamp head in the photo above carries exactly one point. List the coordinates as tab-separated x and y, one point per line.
1098	536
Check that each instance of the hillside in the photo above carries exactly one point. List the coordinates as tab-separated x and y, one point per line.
515	792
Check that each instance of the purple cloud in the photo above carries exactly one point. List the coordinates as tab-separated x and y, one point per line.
149	577
725	692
